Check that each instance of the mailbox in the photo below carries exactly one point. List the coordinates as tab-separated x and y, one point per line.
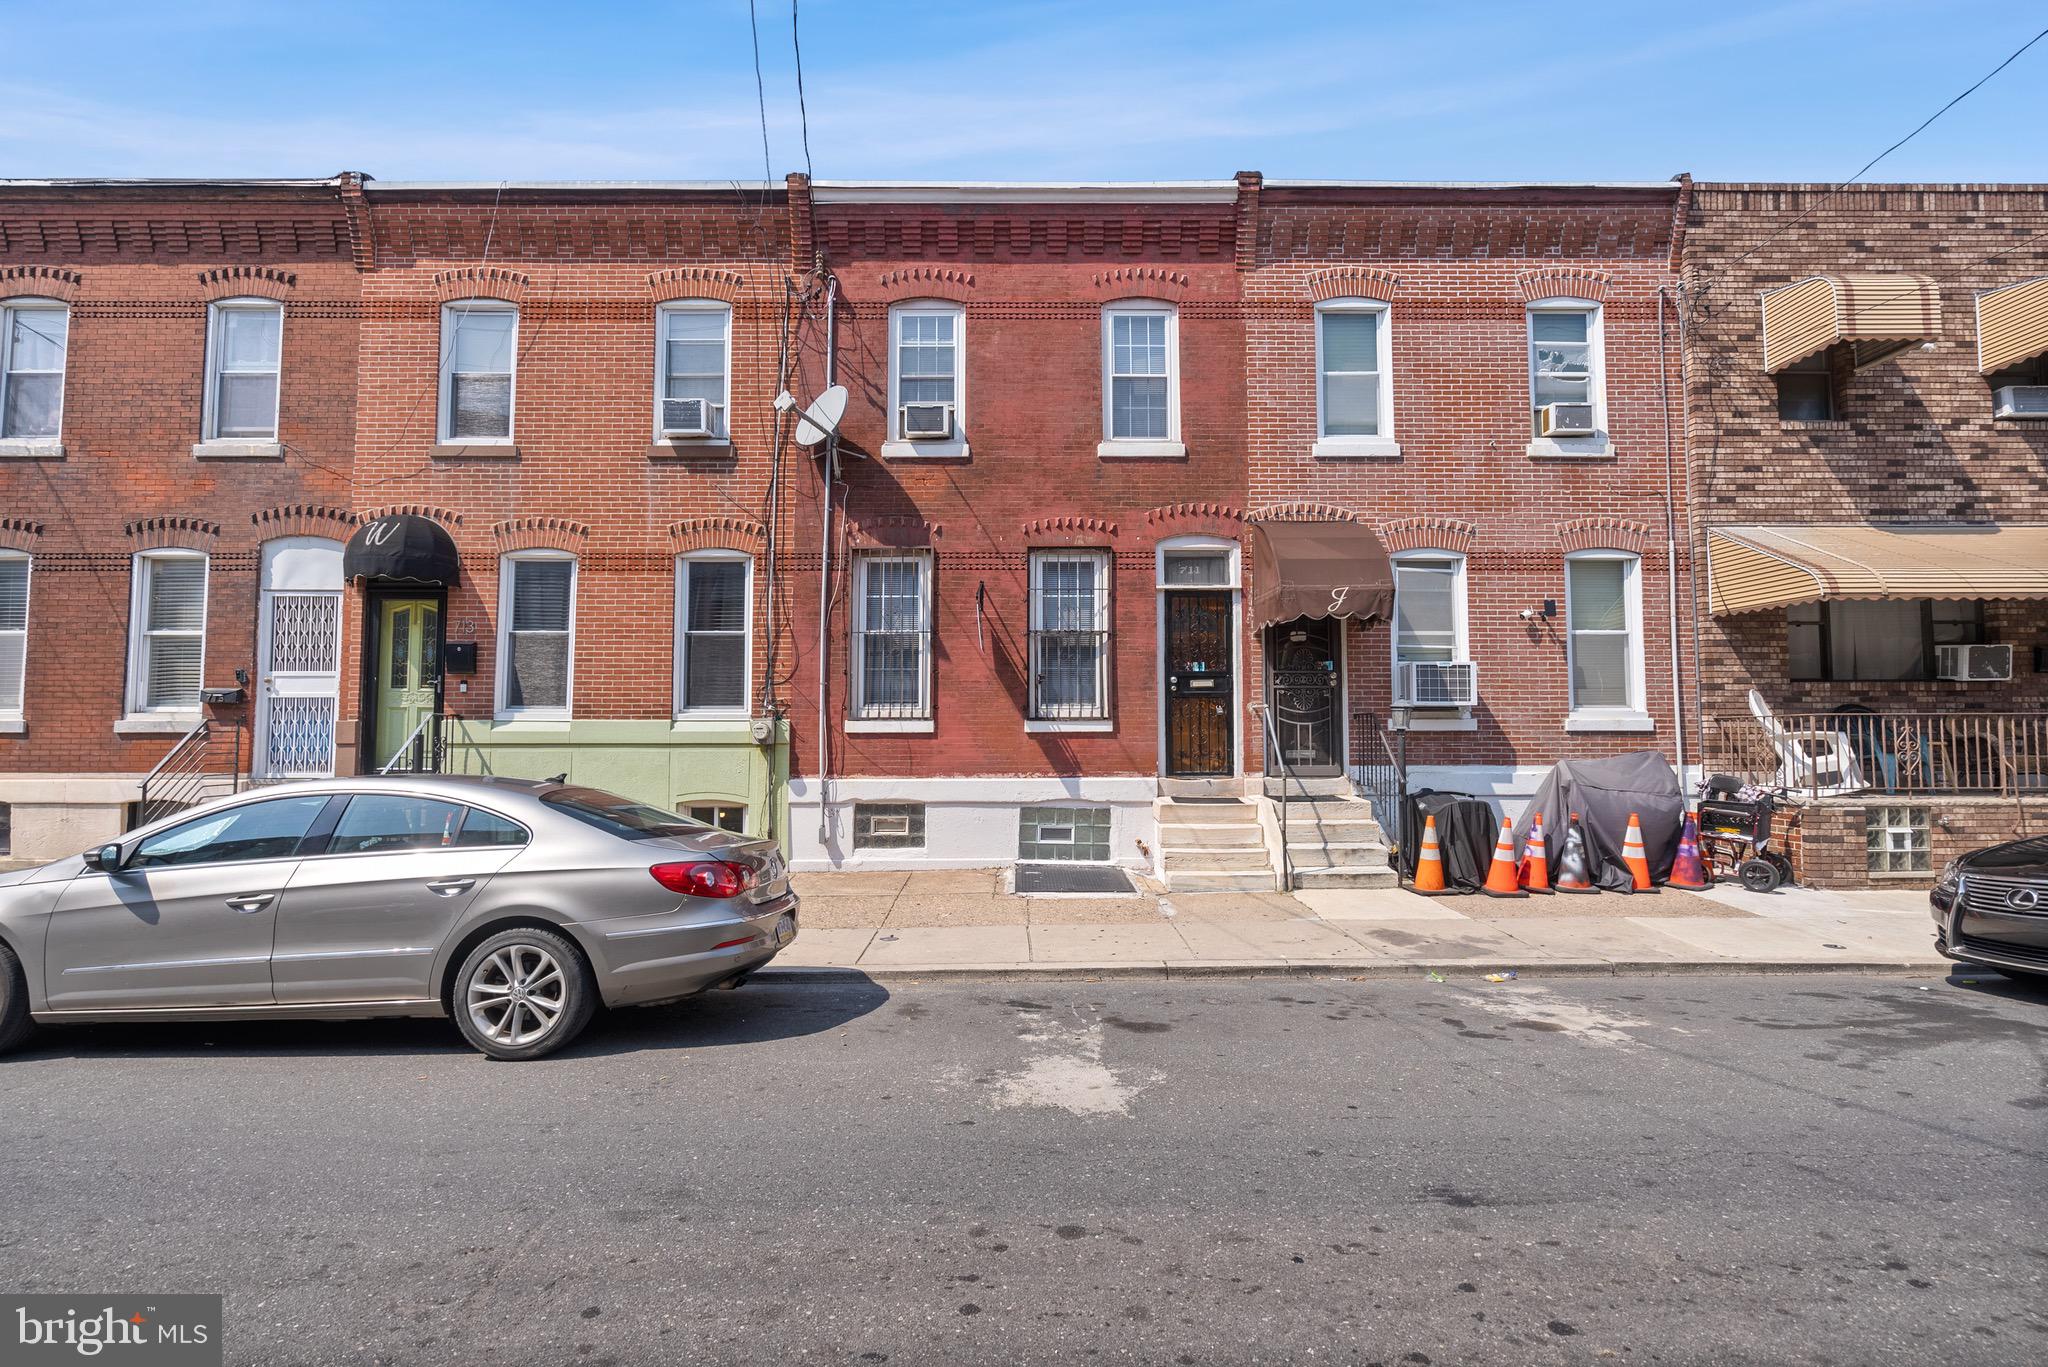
458	657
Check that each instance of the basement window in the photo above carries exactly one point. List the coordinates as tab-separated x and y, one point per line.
725	816
1896	840
1077	834
6	830
888	825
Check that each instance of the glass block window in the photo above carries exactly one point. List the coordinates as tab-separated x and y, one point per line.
1895	839
726	816
1074	834
888	825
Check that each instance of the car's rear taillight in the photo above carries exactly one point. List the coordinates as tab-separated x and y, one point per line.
708	878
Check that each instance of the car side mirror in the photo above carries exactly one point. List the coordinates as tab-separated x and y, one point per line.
107	858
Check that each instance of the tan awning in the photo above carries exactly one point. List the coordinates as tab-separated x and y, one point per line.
1752	568
2012	324
1876	314
1319	569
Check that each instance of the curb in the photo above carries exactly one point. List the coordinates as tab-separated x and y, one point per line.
1373	970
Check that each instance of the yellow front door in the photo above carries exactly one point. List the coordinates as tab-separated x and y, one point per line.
408	672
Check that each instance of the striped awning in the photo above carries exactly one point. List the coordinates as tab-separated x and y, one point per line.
1753	568
1876	314
2012	324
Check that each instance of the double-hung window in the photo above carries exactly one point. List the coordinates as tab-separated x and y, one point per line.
1604	629
1140	377
1566	389
892	638
714	596
479	352
1070	635
243	345
167	635
693	388
1354	405
536	634
13	632
33	337
1429	617
927	410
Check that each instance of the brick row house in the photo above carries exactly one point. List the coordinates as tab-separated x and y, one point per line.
1866	373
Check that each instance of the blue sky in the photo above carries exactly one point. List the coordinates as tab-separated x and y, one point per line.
526	90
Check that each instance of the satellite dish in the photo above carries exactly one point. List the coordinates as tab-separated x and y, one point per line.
821	419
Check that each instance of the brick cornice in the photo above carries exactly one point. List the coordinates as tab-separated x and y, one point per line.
481	282
1604	534
695	282
1353	282
924	282
303	519
242	282
1302	511
893	529
1564	282
717	534
1069	531
1428	534
19	533
1140	282
39	282
184	533
540	533
1194	519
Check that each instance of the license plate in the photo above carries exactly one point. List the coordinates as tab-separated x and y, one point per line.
785	930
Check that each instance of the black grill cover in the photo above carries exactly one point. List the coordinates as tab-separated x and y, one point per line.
402	549
1466	828
1603	792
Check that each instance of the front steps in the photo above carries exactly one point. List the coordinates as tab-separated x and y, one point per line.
1334	842
1213	845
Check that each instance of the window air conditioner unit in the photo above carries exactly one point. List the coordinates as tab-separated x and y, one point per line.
685	417
926	421
1568	420
1453	683
2020	401
1973	664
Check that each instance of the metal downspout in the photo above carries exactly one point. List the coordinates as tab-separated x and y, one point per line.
1671	546
831	473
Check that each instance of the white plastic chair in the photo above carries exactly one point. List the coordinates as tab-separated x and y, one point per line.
1819	762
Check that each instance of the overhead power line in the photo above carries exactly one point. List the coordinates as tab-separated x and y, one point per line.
803	116
760	95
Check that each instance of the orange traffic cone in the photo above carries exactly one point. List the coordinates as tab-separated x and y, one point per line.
1500	878
1688	870
1536	858
1429	864
1633	855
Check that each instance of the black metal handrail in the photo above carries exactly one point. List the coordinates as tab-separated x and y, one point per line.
181	778
1273	750
425	751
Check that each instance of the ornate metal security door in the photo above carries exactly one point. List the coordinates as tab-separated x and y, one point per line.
1305	691
300	686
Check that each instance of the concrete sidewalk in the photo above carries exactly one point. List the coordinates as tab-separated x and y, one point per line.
961	923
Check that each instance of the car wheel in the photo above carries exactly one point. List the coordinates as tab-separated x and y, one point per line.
14	1022
523	993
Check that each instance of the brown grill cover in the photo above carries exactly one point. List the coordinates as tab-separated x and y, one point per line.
1319	569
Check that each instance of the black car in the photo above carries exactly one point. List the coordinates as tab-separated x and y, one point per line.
1991	907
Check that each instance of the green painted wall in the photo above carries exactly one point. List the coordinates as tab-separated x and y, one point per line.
668	764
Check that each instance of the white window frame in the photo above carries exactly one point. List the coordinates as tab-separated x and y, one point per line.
1596	388
32	304
898	446
141	572
10	717
1142	447
1634	716
1445	718
505	589
684	711
1382	443
857	720
210	404
446	427
1068	719
721	427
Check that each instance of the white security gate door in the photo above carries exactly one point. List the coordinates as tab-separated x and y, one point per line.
298	693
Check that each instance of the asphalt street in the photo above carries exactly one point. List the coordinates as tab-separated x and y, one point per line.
1725	1170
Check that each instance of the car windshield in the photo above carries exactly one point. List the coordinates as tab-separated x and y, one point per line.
620	816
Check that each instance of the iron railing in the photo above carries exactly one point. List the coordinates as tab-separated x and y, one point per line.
1823	754
1273	751
189	772
890	668
1069	675
425	751
1382	779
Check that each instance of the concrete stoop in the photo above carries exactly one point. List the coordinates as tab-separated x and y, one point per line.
1334	842
1212	846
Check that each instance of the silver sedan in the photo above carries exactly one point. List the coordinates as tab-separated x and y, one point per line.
516	907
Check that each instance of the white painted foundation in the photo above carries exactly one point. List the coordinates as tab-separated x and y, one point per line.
969	822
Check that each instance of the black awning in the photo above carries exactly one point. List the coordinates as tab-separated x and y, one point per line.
402	549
